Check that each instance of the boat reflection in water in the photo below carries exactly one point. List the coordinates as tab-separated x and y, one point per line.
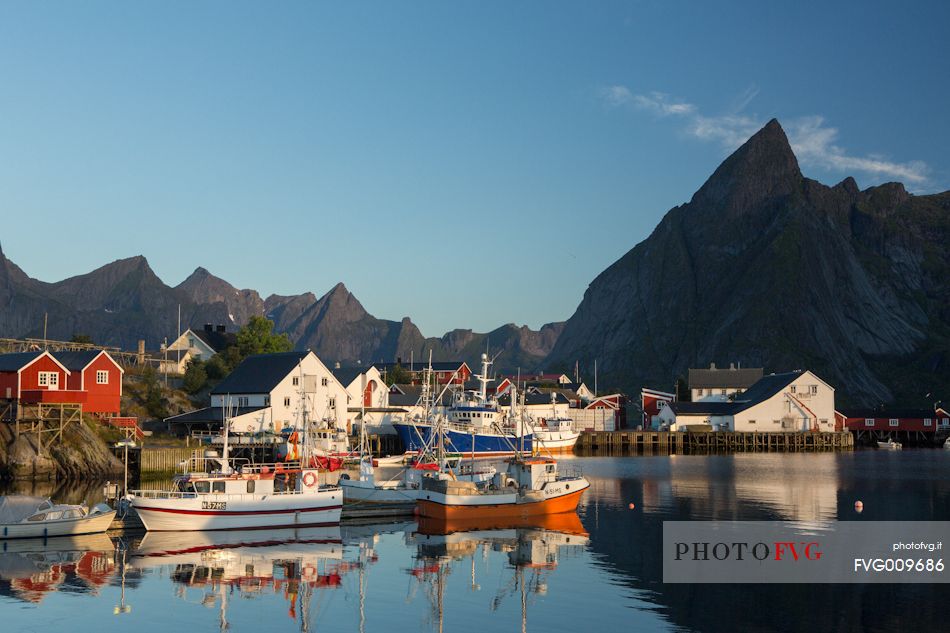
293	563
533	545
30	569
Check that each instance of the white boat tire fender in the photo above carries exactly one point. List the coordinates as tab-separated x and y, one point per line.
309	480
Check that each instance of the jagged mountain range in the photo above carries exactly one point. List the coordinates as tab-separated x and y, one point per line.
768	268
124	302
762	267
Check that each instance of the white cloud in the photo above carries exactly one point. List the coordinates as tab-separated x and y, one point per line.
814	143
812	140
656	102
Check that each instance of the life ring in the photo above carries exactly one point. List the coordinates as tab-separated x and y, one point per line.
309	479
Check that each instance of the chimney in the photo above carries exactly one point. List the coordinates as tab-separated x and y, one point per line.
209	327
732	366
712	365
336	365
140	357
221	328
399	360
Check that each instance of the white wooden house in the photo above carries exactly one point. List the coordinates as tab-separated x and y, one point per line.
271	392
792	401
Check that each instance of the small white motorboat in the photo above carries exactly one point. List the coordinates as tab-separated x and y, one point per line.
36	517
890	445
946	444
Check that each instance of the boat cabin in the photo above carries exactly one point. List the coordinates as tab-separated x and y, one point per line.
532	473
263	483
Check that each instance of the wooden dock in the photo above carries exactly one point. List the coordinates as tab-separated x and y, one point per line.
649	442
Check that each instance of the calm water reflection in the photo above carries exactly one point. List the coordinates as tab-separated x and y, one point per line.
601	568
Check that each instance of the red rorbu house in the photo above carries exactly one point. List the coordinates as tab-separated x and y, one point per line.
651	402
97	374
456	372
36	378
920	424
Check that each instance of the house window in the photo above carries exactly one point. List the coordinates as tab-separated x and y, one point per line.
324	382
792	389
868	421
191	343
660	404
945	422
814	390
723	391
824	422
242	401
776	421
751	421
48	379
266	401
296	381
287	401
333	403
893	422
928	421
102	377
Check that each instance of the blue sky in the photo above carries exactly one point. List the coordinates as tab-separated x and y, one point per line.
467	164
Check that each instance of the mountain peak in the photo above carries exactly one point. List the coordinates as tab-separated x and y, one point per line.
763	167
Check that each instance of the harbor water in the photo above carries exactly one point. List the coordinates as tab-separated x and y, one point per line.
602	569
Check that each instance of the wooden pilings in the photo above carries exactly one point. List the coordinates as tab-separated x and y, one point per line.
614	442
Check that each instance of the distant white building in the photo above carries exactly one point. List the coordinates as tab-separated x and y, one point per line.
271	392
195	344
793	401
717	385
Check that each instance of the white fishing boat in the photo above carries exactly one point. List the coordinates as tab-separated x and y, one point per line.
38	517
946	444
555	434
890	445
218	493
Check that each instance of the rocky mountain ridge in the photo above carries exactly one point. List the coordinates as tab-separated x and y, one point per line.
769	268
125	301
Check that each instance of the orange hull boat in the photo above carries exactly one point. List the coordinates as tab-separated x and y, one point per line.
564	503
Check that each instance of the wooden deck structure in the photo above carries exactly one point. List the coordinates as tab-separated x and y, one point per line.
627	442
46	421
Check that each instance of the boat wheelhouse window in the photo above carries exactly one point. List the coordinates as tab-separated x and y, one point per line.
202	487
250	485
217	487
549	468
72	514
38	517
54	516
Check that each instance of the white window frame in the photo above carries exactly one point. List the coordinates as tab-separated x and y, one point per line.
102	377
893	422
814	390
928	421
48	379
868	421
945	422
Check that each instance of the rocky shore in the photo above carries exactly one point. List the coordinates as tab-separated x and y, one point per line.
79	455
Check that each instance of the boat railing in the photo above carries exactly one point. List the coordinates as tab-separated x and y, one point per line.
270	467
206	464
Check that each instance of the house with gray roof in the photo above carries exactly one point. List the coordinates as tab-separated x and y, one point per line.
715	383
